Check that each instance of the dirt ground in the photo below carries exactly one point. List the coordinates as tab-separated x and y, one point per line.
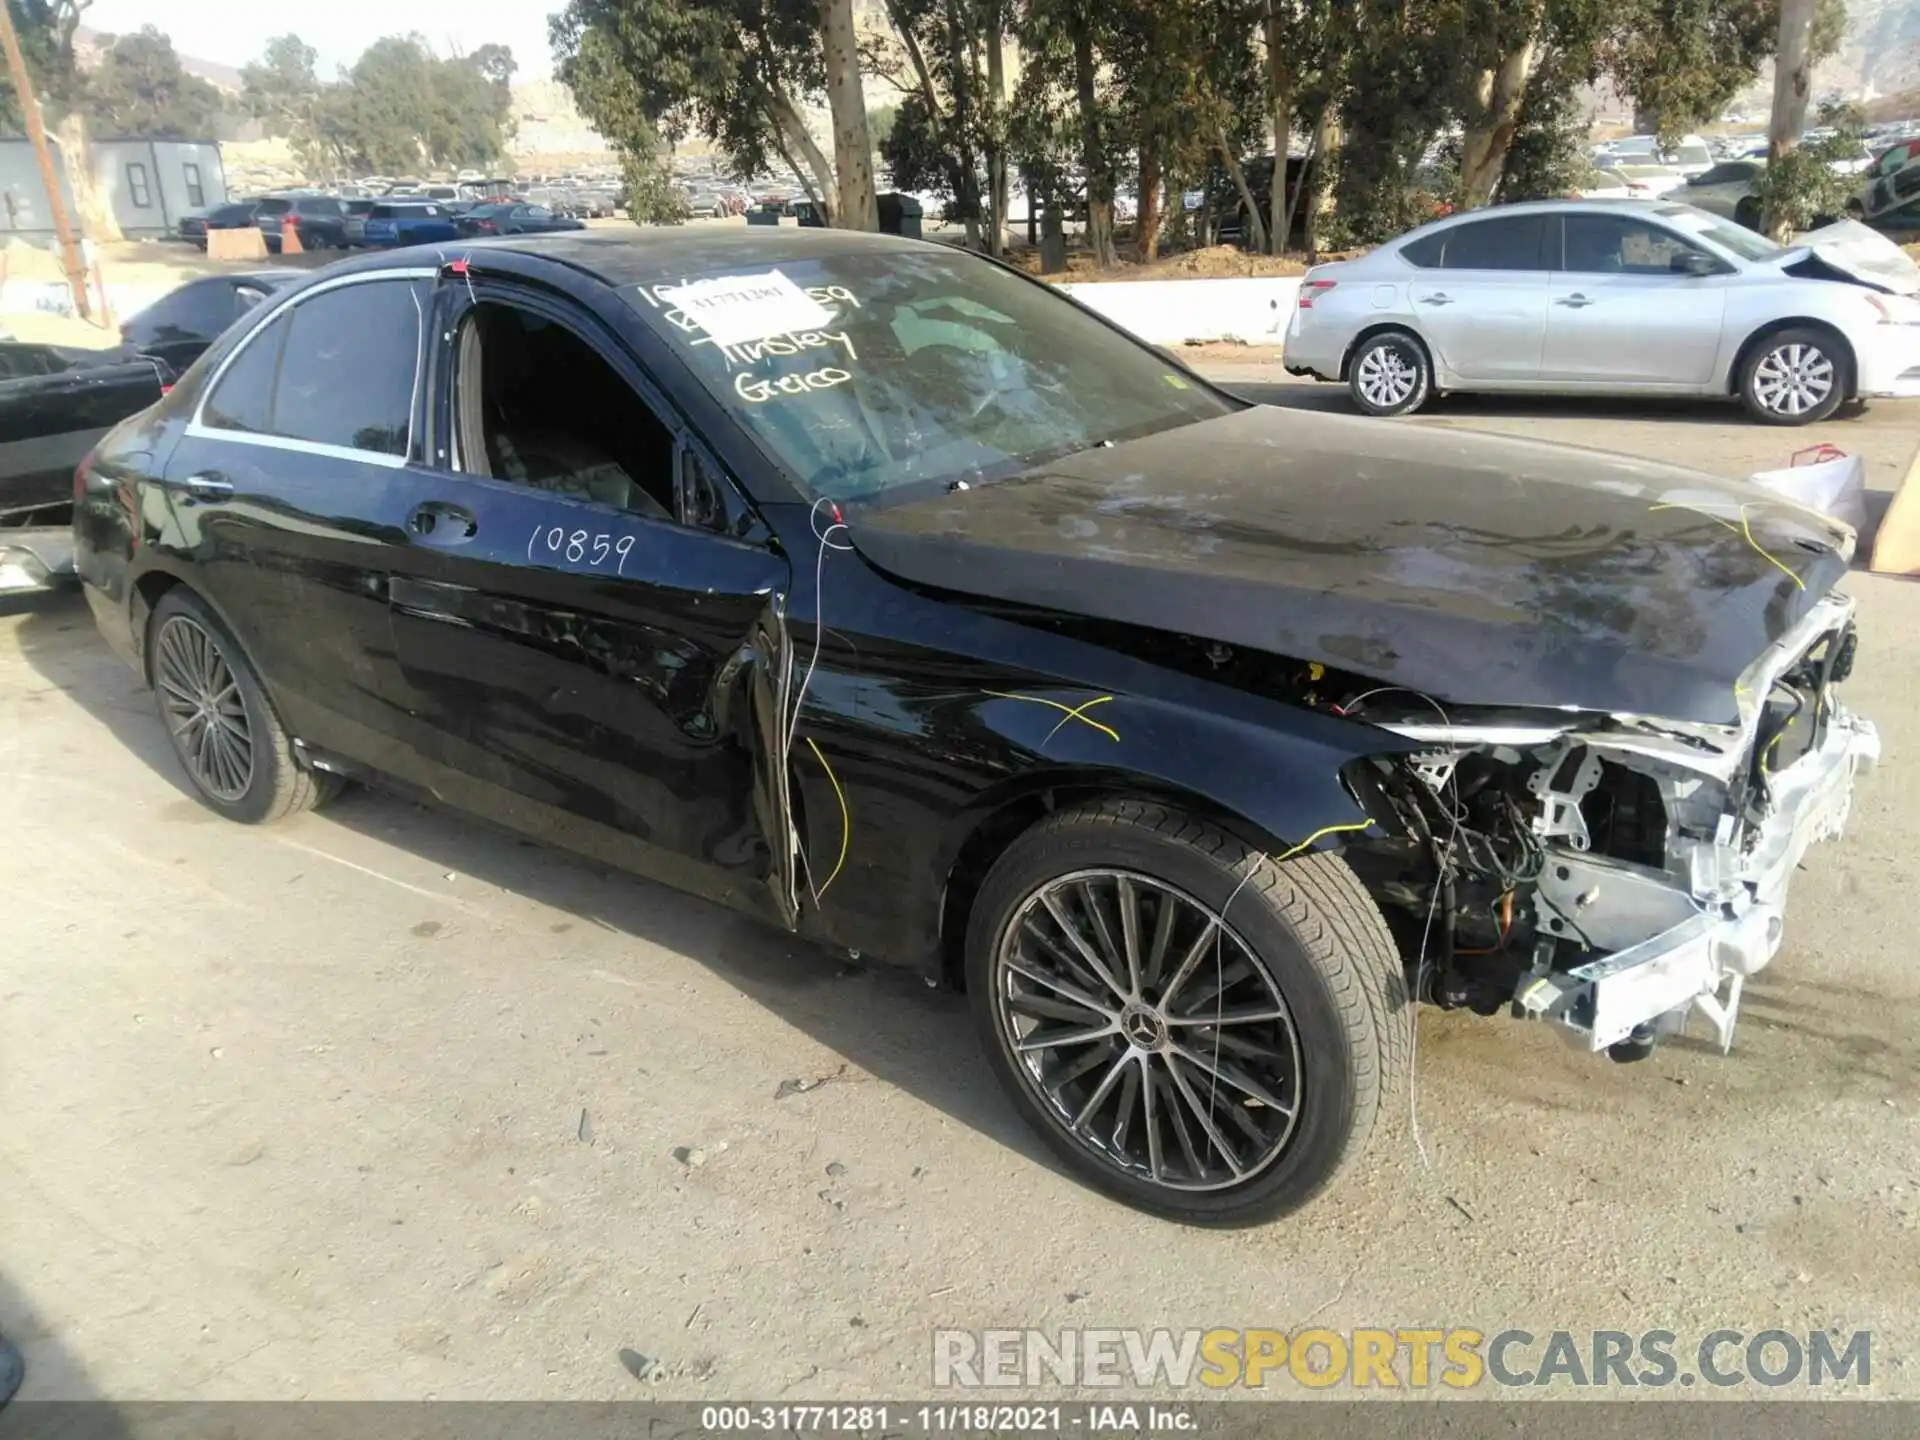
380	1103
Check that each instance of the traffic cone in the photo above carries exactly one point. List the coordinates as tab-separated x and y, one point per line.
290	237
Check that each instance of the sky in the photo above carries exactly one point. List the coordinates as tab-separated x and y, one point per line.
233	34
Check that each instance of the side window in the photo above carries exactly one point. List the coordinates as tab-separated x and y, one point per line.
536	405
1509	243
1424	252
1621	245
243	400
338	369
196	195
138	188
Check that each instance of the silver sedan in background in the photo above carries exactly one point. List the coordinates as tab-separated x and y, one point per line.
1617	298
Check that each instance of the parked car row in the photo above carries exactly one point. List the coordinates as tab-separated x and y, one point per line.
407	213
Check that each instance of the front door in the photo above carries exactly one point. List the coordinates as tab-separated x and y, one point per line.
287	490
586	661
1621	315
1483	307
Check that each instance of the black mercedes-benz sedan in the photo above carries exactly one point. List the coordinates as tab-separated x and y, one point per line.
874	588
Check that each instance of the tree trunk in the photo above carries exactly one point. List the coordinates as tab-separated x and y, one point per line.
1092	144
1279	110
1255	225
93	208
1792	86
960	71
822	190
1148	221
852	146
1486	138
1319	179
997	191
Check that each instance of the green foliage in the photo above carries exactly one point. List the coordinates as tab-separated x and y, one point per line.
45	28
1802	188
399	109
139	89
649	194
720	68
612	97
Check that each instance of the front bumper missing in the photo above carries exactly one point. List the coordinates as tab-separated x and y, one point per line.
1701	962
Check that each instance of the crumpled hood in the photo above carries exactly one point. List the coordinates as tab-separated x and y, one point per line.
1470	567
1861	254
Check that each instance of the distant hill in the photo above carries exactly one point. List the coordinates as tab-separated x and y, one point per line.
88	44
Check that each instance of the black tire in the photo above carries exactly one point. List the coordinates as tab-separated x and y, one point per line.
266	780
1390	374
1306	932
1747	214
1787	369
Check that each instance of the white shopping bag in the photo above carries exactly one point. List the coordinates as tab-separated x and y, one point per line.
1825	479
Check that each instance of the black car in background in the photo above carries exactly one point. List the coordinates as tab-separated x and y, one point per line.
234	215
514	219
891	596
185	321
55	404
319	220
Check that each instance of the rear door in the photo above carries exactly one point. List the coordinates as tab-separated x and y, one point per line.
288	488
1482	299
584	659
1621	315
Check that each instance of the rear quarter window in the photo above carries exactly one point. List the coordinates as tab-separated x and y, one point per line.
337	369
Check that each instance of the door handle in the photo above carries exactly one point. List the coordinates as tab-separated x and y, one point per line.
442	522
1442	299
1575	301
207	485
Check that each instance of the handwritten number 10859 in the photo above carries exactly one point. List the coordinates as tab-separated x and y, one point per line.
580	547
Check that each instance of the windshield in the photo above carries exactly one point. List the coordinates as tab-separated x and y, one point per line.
275	206
868	373
1724	233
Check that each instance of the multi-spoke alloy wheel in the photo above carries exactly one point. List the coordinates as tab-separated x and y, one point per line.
205	712
1149	1028
1793	379
237	753
1388	374
1192	1027
1795	376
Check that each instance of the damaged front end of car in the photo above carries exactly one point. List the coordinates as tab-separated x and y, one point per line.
1613	873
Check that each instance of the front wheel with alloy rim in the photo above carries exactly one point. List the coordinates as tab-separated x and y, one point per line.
1194	1029
1795	377
1389	374
237	755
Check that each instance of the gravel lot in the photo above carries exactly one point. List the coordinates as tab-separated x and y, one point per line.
383	1103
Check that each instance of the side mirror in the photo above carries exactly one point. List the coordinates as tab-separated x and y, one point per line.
1692	262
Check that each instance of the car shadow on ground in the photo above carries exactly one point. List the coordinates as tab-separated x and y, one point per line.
1466	408
882	1019
57	1399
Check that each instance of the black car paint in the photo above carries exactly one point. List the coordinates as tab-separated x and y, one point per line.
1476	569
55	405
177	328
641	720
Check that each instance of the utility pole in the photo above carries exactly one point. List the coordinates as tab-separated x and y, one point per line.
70	260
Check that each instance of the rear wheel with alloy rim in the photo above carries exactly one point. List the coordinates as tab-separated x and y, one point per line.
1795	377
1390	374
237	755
1194	1029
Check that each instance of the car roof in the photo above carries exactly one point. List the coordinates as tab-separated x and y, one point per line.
645	256
1660	206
